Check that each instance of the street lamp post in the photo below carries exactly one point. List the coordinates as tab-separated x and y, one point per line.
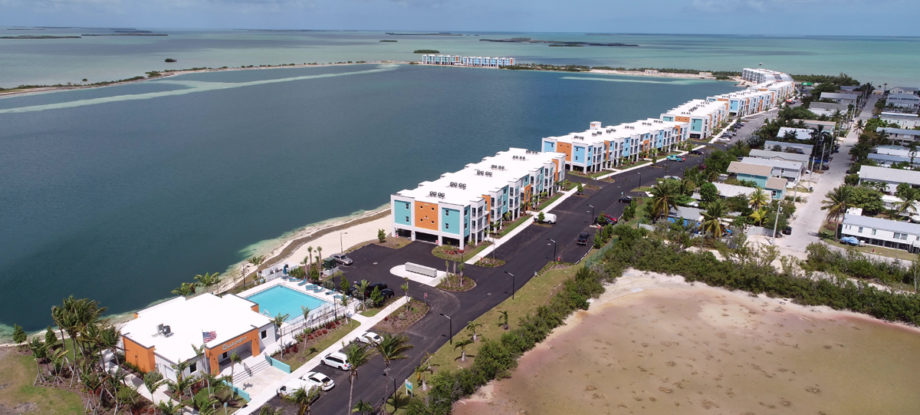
450	328
512	283
779	210
554	248
592	211
341	246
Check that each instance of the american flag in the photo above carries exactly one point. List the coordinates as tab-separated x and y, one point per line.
208	335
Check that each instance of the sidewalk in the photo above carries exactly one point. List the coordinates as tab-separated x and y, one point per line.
366	324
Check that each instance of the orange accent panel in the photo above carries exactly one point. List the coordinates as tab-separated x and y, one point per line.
139	356
255	307
682	119
488	208
426	215
527	192
565	148
213	354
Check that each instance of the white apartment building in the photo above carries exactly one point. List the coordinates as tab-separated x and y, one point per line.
601	147
882	232
760	75
702	116
459	207
901	119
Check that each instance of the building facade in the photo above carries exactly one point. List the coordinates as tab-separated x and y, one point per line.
481	61
162	336
882	232
600	148
701	116
460	207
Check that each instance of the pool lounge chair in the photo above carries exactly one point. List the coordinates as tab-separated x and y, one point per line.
301	283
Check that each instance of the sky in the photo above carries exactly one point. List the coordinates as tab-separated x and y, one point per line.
751	17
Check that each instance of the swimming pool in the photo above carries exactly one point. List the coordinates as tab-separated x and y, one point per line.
283	300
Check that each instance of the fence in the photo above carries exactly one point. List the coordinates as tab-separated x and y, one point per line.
243	394
278	364
325	314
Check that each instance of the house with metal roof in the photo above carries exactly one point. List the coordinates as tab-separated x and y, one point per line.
887	160
900	134
781	155
796	133
901	119
827	109
791	170
903	100
784	146
845	98
890	177
882	232
761	175
816	125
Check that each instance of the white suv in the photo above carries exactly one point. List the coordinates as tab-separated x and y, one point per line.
337	360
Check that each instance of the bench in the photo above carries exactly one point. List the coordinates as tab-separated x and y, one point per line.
421	270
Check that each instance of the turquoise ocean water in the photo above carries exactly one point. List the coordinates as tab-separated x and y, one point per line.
121	193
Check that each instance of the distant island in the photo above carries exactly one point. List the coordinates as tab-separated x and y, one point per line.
426	51
170	60
125	34
559	43
424	34
39	37
389	40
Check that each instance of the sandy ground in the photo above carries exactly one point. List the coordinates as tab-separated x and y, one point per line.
653	344
335	242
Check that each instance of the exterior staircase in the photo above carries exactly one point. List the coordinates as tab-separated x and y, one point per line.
247	369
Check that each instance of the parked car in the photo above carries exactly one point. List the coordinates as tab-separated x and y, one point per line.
319	380
369	337
293	385
582	238
547	217
604	219
626	199
370	288
850	240
787	230
675	157
342	259
337	360
696	152
671	178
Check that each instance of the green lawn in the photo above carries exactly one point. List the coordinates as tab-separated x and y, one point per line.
510	226
594	175
876	250
19	372
547	202
538	291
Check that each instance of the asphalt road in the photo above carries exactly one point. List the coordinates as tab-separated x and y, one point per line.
525	254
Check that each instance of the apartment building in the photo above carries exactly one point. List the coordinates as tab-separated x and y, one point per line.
452	60
701	116
459	207
602	147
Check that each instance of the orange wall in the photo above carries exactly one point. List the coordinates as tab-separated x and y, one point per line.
488	208
214	353
527	193
426	215
139	356
255	307
682	119
565	148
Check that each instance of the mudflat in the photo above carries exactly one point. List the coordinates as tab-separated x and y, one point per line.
654	344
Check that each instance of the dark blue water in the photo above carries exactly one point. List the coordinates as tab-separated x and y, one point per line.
122	201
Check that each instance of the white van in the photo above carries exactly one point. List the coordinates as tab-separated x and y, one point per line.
547	217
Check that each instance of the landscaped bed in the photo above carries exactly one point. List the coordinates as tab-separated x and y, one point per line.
317	340
403	318
457	284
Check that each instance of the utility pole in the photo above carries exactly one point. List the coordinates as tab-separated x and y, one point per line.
776	221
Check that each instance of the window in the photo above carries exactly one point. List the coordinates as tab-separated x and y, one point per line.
264	333
407	219
902	236
223	356
446	226
873	232
860	229
192	368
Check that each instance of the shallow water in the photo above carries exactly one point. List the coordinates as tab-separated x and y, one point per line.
708	351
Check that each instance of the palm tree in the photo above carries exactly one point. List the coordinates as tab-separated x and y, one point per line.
836	204
167	407
362	407
234	359
758	199
279	320
304	398
357	355
503	319
319	258
306	312
663	198
462	346
153	380
392	348
759	216
309	256
185	289
208	279
362	288
472	327
712	218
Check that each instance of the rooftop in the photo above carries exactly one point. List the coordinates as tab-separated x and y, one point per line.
899	115
884	174
731	190
800	133
828	125
804	148
697	108
476	179
781	164
229	316
769	154
597	135
775	183
738	167
839	95
899	131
